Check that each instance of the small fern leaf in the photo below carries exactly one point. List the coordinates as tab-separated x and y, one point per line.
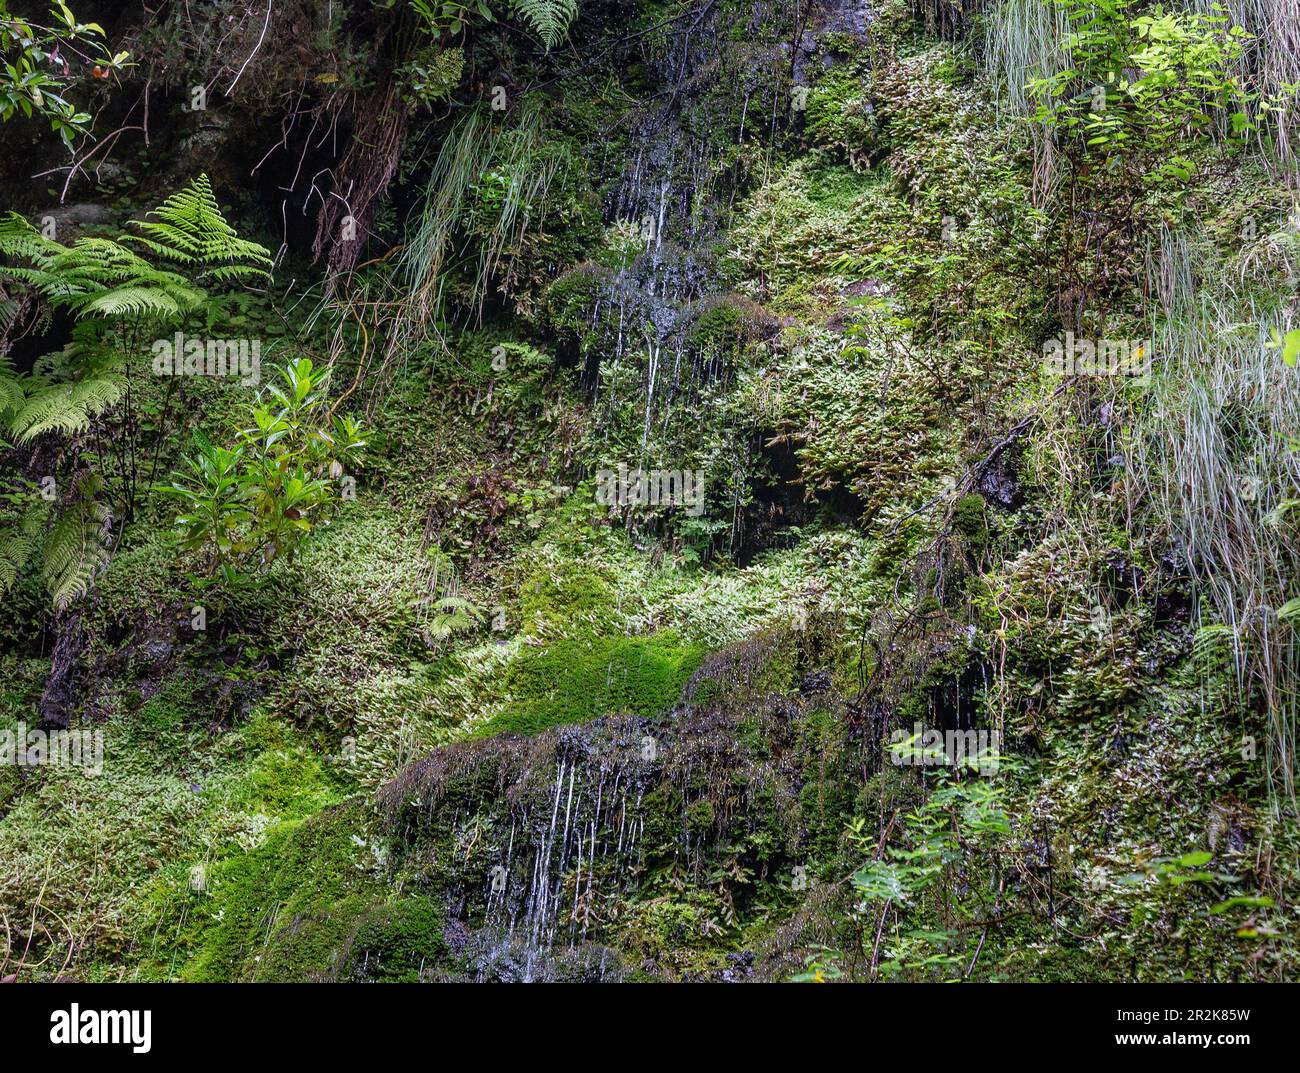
133	300
1208	639
11	389
550	19
15	549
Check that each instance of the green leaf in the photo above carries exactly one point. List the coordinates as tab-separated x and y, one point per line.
1242	900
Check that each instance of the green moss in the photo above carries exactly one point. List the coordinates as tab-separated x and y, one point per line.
700	818
583	678
289	782
828	792
166	711
725	326
567	594
839	116
970	521
944	670
397	943
567	304
662	810
287	909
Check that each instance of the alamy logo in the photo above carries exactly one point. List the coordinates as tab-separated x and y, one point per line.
181	356
76	1025
977	749
651	488
1097	357
21	747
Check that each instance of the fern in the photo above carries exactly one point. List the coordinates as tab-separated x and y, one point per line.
105	278
550	19
19	534
67	408
114	291
75	550
15	549
137	300
20	239
94	276
72	550
11	389
102	280
1206	642
191	230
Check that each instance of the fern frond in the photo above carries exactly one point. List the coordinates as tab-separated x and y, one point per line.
11	388
33	277
67	408
550	19
141	300
20	240
234	273
74	551
1207	640
15	550
190	229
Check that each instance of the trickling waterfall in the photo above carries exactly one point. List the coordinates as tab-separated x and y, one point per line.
590	840
578	840
723	101
662	194
541	846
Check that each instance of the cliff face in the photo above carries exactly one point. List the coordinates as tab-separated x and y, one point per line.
751	573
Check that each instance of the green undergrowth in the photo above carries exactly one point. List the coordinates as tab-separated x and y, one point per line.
906	521
89	851
306	903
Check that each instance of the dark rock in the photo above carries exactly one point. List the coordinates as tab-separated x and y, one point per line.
815	682
740	967
76	217
999	485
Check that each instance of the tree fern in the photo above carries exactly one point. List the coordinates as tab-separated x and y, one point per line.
68	389
105	281
550	19
95	276
136	300
106	278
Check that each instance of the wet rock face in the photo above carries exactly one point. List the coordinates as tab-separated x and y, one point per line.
815	682
551	852
507	958
999	485
847	16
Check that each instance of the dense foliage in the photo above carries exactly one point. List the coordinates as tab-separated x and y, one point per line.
689	490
